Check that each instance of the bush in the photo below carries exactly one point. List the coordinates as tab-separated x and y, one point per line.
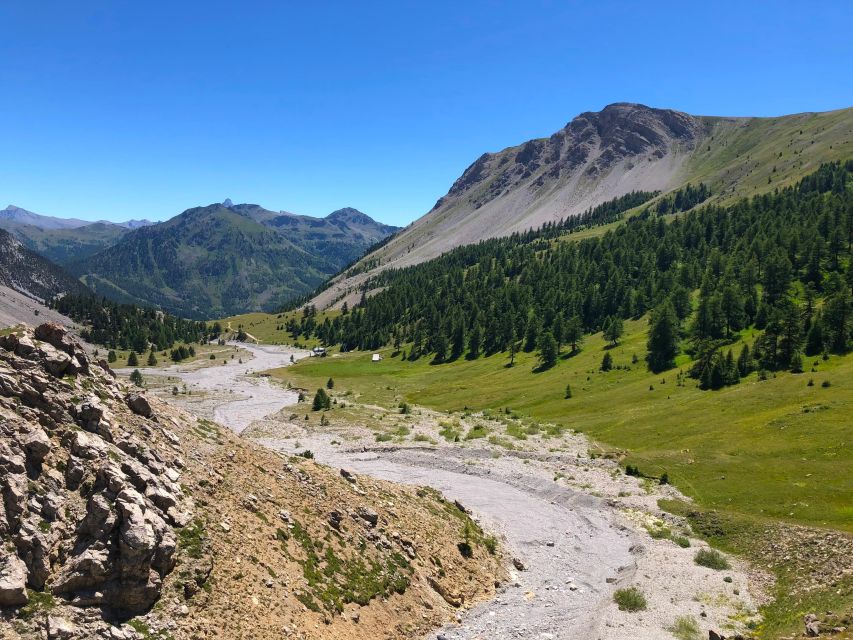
568	391
607	362
681	541
630	599
712	559
686	628
307	454
825	384
136	378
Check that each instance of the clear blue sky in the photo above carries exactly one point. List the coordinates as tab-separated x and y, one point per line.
121	110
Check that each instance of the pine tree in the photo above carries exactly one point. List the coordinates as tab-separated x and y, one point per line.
568	391
330	383
111	356
547	350
607	362
321	401
475	342
573	332
152	359
745	365
136	378
663	338
132	359
613	328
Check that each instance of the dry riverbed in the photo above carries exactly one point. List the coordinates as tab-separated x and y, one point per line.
578	528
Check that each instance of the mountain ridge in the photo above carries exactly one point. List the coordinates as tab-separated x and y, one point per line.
599	156
218	260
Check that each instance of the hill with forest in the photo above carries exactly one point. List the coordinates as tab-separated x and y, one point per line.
602	155
711	347
224	259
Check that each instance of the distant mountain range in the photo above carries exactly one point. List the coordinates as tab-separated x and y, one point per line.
207	262
63	239
602	155
223	260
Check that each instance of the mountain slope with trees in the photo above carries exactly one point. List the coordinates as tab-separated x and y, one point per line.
602	155
778	262
220	260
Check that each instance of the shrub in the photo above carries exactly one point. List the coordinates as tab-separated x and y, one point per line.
712	559
568	391
664	479
681	541
607	362
405	409
630	599
136	378
825	384
686	628
307	454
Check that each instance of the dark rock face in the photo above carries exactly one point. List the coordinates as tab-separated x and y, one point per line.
88	505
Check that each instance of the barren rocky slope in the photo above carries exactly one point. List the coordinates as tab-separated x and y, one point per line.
124	518
602	155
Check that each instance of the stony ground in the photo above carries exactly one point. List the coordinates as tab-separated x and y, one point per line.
578	528
124	517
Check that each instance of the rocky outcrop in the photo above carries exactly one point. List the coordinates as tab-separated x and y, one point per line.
89	507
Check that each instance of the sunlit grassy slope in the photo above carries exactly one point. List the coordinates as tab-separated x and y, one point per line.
747	156
774	448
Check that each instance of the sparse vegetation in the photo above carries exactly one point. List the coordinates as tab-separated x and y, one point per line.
630	599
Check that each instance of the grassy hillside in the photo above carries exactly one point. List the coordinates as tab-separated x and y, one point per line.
742	157
771	447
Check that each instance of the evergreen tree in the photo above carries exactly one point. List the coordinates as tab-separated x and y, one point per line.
111	356
547	350
573	332
475	342
663	338
132	359
152	359
568	391
613	328
321	401
607	362
745	365
330	383
136	378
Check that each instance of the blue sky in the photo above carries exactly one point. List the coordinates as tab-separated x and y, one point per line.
123	110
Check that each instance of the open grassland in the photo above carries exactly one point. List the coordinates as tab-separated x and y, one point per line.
770	447
268	328
747	157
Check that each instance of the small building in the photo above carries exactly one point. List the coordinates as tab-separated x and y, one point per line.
376	357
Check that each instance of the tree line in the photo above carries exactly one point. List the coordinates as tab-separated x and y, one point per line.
779	262
127	326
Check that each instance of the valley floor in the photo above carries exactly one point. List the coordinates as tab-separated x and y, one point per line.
578	528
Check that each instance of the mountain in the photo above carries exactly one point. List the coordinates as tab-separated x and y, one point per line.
602	155
222	260
16	215
27	272
63	240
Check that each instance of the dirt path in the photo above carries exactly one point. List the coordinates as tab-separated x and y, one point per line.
576	548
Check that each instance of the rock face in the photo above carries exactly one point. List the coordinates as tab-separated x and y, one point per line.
89	506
